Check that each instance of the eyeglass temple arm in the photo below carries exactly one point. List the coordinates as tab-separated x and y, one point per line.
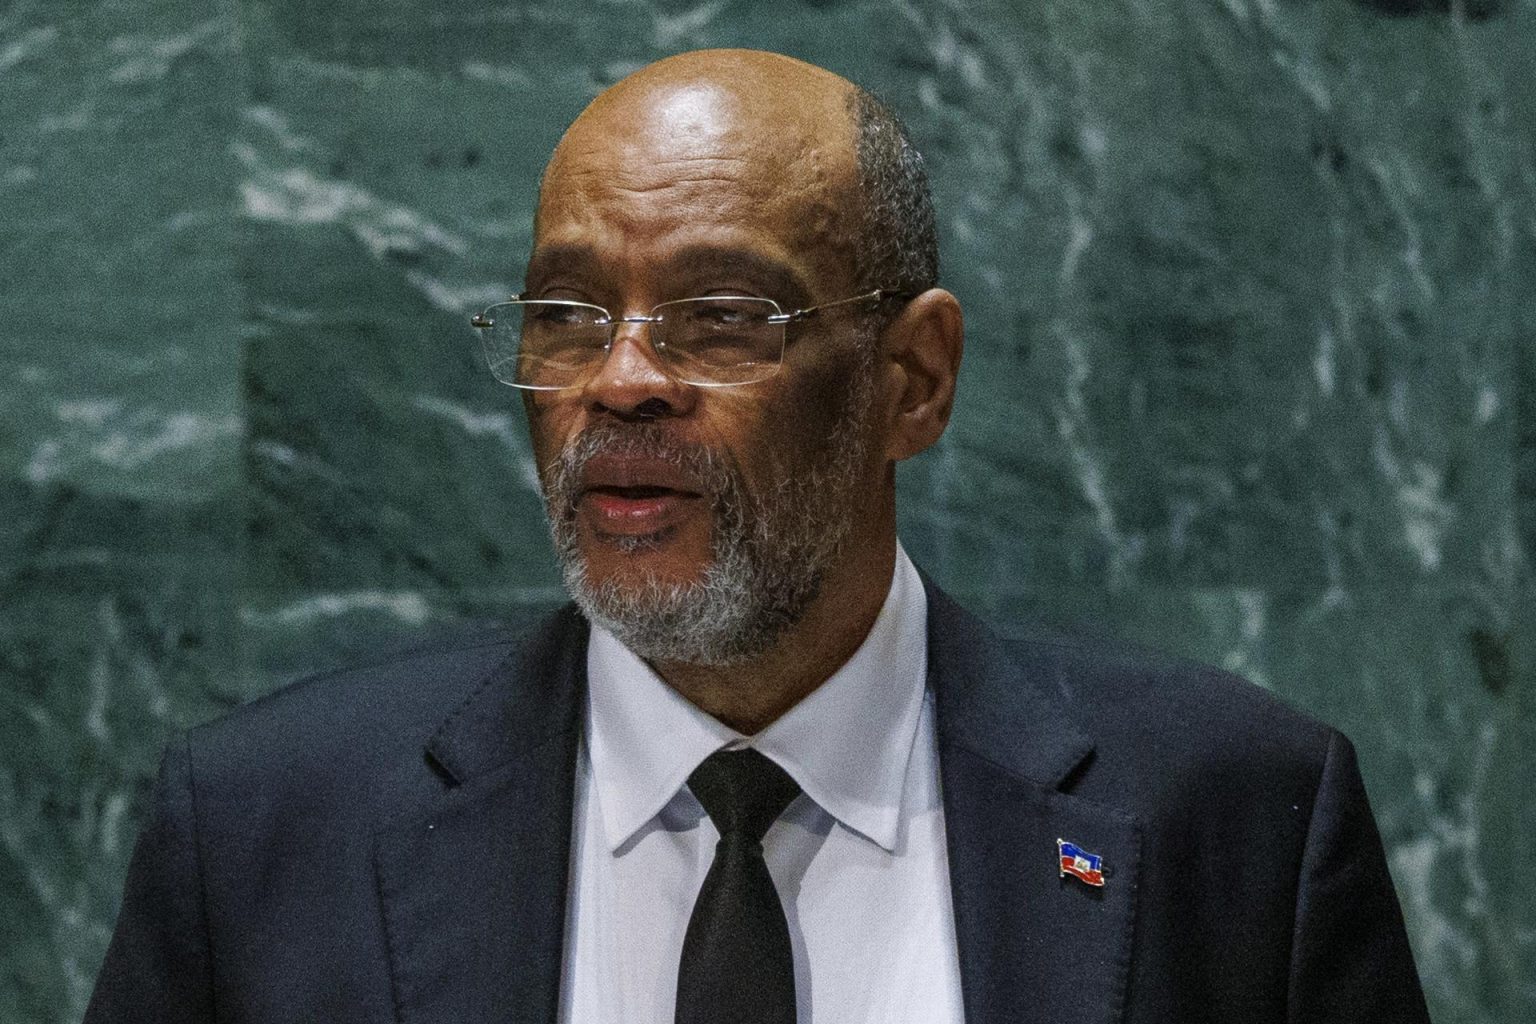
878	295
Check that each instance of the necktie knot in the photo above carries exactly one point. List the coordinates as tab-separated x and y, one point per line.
742	791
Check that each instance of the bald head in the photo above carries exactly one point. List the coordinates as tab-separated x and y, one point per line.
795	102
794	140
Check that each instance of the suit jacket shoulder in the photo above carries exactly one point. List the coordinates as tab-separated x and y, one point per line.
349	742
1161	725
382	842
1243	878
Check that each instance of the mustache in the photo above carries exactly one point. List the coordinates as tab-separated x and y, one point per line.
712	471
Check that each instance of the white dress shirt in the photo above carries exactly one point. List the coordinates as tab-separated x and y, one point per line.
858	858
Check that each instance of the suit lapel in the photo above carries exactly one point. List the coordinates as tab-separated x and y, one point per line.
473	882
1034	946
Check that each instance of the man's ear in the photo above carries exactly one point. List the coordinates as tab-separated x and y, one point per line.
922	349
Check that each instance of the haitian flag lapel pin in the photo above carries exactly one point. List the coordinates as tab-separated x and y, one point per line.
1086	867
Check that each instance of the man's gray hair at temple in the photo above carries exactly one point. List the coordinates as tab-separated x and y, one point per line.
899	244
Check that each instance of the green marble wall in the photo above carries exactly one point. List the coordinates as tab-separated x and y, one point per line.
1251	376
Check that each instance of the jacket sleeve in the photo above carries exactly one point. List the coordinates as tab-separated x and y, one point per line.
1350	959
159	964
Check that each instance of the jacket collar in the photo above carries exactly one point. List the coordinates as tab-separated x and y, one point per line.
994	706
528	702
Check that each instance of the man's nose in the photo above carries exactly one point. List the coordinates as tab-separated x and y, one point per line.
632	382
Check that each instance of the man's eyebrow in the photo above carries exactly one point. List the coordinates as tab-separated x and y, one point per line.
556	258
699	263
777	279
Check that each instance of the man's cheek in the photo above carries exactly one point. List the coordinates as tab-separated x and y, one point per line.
547	441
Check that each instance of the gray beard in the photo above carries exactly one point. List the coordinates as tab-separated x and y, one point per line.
770	554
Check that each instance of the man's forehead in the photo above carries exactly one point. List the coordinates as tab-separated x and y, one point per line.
677	121
705	145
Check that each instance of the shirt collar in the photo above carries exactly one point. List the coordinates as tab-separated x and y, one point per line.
847	744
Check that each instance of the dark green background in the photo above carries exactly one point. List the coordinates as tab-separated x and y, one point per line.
1250	376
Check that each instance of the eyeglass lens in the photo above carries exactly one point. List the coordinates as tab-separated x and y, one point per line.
709	341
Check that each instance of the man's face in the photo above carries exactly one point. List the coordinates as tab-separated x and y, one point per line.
698	522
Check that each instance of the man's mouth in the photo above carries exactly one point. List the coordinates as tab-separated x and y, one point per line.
634	497
638	491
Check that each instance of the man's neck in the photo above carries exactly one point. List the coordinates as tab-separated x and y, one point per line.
750	696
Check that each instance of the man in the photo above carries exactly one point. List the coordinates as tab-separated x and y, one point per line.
768	771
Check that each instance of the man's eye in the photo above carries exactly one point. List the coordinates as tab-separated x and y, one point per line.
555	315
725	314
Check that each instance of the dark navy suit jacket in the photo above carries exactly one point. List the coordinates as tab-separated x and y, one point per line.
391	843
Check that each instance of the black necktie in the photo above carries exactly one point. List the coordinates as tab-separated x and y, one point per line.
737	967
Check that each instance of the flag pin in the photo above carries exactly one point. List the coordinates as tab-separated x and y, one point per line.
1086	867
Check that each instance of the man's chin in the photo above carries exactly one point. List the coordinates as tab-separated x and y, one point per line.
668	557
674	604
